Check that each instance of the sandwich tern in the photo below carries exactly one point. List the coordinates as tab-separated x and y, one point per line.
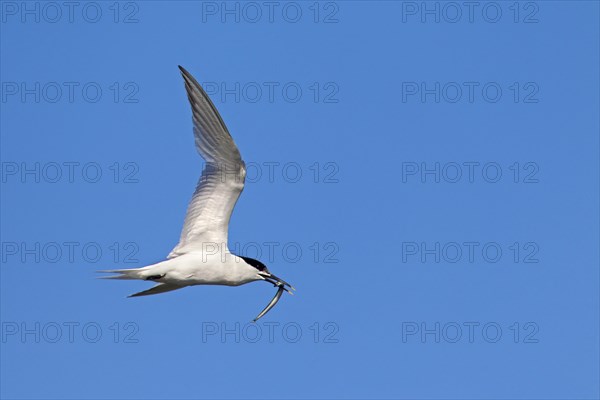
201	257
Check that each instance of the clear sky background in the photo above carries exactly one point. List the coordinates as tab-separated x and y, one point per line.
425	174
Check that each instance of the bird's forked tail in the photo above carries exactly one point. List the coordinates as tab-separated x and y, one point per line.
143	274
133	273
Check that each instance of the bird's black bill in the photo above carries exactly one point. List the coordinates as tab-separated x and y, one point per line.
272	303
273	277
280	283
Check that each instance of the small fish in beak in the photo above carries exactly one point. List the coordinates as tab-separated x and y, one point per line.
281	284
272	303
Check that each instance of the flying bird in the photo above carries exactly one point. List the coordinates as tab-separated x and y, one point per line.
201	257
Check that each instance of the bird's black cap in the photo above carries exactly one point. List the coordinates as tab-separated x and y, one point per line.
255	263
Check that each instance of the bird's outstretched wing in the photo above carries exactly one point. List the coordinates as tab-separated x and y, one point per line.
222	181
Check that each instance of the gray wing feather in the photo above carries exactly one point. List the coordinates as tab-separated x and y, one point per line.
222	179
160	288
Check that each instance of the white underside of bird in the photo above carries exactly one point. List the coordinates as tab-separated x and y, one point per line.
201	257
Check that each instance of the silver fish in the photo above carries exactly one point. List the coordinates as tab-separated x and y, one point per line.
273	301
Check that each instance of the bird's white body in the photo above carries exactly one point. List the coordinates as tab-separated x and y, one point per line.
201	257
201	268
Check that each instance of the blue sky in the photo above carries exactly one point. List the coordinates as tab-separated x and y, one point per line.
425	174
